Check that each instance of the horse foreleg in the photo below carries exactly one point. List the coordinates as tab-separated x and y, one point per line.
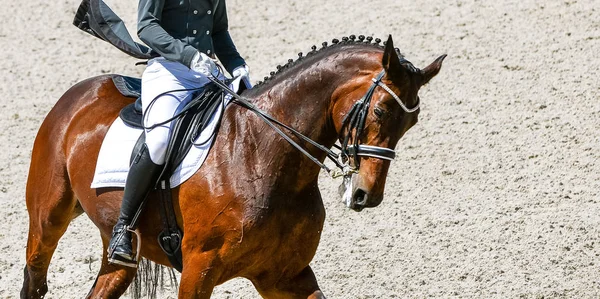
51	207
304	285
112	280
200	275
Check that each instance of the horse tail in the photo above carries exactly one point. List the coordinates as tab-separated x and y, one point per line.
150	278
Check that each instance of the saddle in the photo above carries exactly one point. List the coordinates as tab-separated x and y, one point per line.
186	128
193	119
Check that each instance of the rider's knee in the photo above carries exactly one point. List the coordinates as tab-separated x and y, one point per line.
157	150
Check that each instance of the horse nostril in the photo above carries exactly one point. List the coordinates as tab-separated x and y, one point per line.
360	197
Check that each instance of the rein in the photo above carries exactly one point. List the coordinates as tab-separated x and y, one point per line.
354	121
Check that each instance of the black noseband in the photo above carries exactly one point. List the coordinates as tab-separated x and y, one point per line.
372	151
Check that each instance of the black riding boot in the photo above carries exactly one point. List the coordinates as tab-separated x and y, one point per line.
142	175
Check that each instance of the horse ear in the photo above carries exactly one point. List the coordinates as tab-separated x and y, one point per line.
390	61
431	70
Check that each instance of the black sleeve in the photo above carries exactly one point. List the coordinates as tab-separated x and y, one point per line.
152	34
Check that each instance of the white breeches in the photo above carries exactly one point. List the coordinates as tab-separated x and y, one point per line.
160	76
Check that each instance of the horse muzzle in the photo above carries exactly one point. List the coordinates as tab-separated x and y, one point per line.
356	196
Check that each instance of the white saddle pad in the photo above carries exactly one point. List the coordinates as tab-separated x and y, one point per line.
115	153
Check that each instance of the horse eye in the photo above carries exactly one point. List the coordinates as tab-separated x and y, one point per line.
378	112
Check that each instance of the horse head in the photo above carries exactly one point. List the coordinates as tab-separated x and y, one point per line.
370	128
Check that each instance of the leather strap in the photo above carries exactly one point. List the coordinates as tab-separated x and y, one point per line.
372	151
170	238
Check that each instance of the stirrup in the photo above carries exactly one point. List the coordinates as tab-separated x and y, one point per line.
116	258
119	260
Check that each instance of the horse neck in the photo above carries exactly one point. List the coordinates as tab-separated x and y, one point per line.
304	100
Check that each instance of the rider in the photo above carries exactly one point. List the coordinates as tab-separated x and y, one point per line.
187	35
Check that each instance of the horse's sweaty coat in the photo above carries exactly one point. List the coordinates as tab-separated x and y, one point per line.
254	210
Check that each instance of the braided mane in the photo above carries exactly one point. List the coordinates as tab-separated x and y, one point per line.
350	40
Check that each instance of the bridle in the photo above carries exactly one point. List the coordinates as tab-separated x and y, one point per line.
354	121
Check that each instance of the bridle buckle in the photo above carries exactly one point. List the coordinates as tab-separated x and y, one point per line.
346	170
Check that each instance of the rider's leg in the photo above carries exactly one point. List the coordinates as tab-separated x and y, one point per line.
142	175
159	76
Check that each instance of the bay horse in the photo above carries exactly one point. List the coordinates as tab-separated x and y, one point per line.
254	209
